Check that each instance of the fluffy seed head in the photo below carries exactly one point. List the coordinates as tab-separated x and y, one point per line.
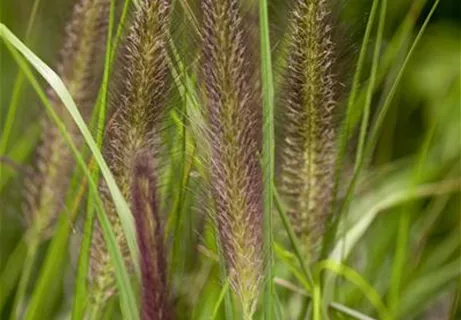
140	105
310	102
80	68
231	96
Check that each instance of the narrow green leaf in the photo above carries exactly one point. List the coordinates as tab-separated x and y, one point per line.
293	239
15	96
11	272
268	151
371	87
222	294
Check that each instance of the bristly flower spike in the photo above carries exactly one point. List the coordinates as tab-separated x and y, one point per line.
137	121
80	67
232	98
309	107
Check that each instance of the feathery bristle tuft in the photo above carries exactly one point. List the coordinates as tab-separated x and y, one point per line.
155	303
135	125
310	102
232	98
80	67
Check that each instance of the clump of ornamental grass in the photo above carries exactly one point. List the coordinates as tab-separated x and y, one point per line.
80	68
232	99
308	154
135	126
155	304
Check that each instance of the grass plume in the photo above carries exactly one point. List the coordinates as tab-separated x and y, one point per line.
140	105
232	100
309	106
80	67
155	303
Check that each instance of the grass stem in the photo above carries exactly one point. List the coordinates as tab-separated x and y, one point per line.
268	152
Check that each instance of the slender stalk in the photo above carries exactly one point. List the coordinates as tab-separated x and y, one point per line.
371	85
11	273
268	152
317	302
293	239
15	96
27	268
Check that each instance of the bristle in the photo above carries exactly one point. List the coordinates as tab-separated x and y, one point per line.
310	103
140	107
232	97
155	303
80	68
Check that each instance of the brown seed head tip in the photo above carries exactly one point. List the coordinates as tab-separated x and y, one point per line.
155	300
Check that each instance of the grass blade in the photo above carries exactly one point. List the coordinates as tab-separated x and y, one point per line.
15	96
371	86
11	272
268	152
